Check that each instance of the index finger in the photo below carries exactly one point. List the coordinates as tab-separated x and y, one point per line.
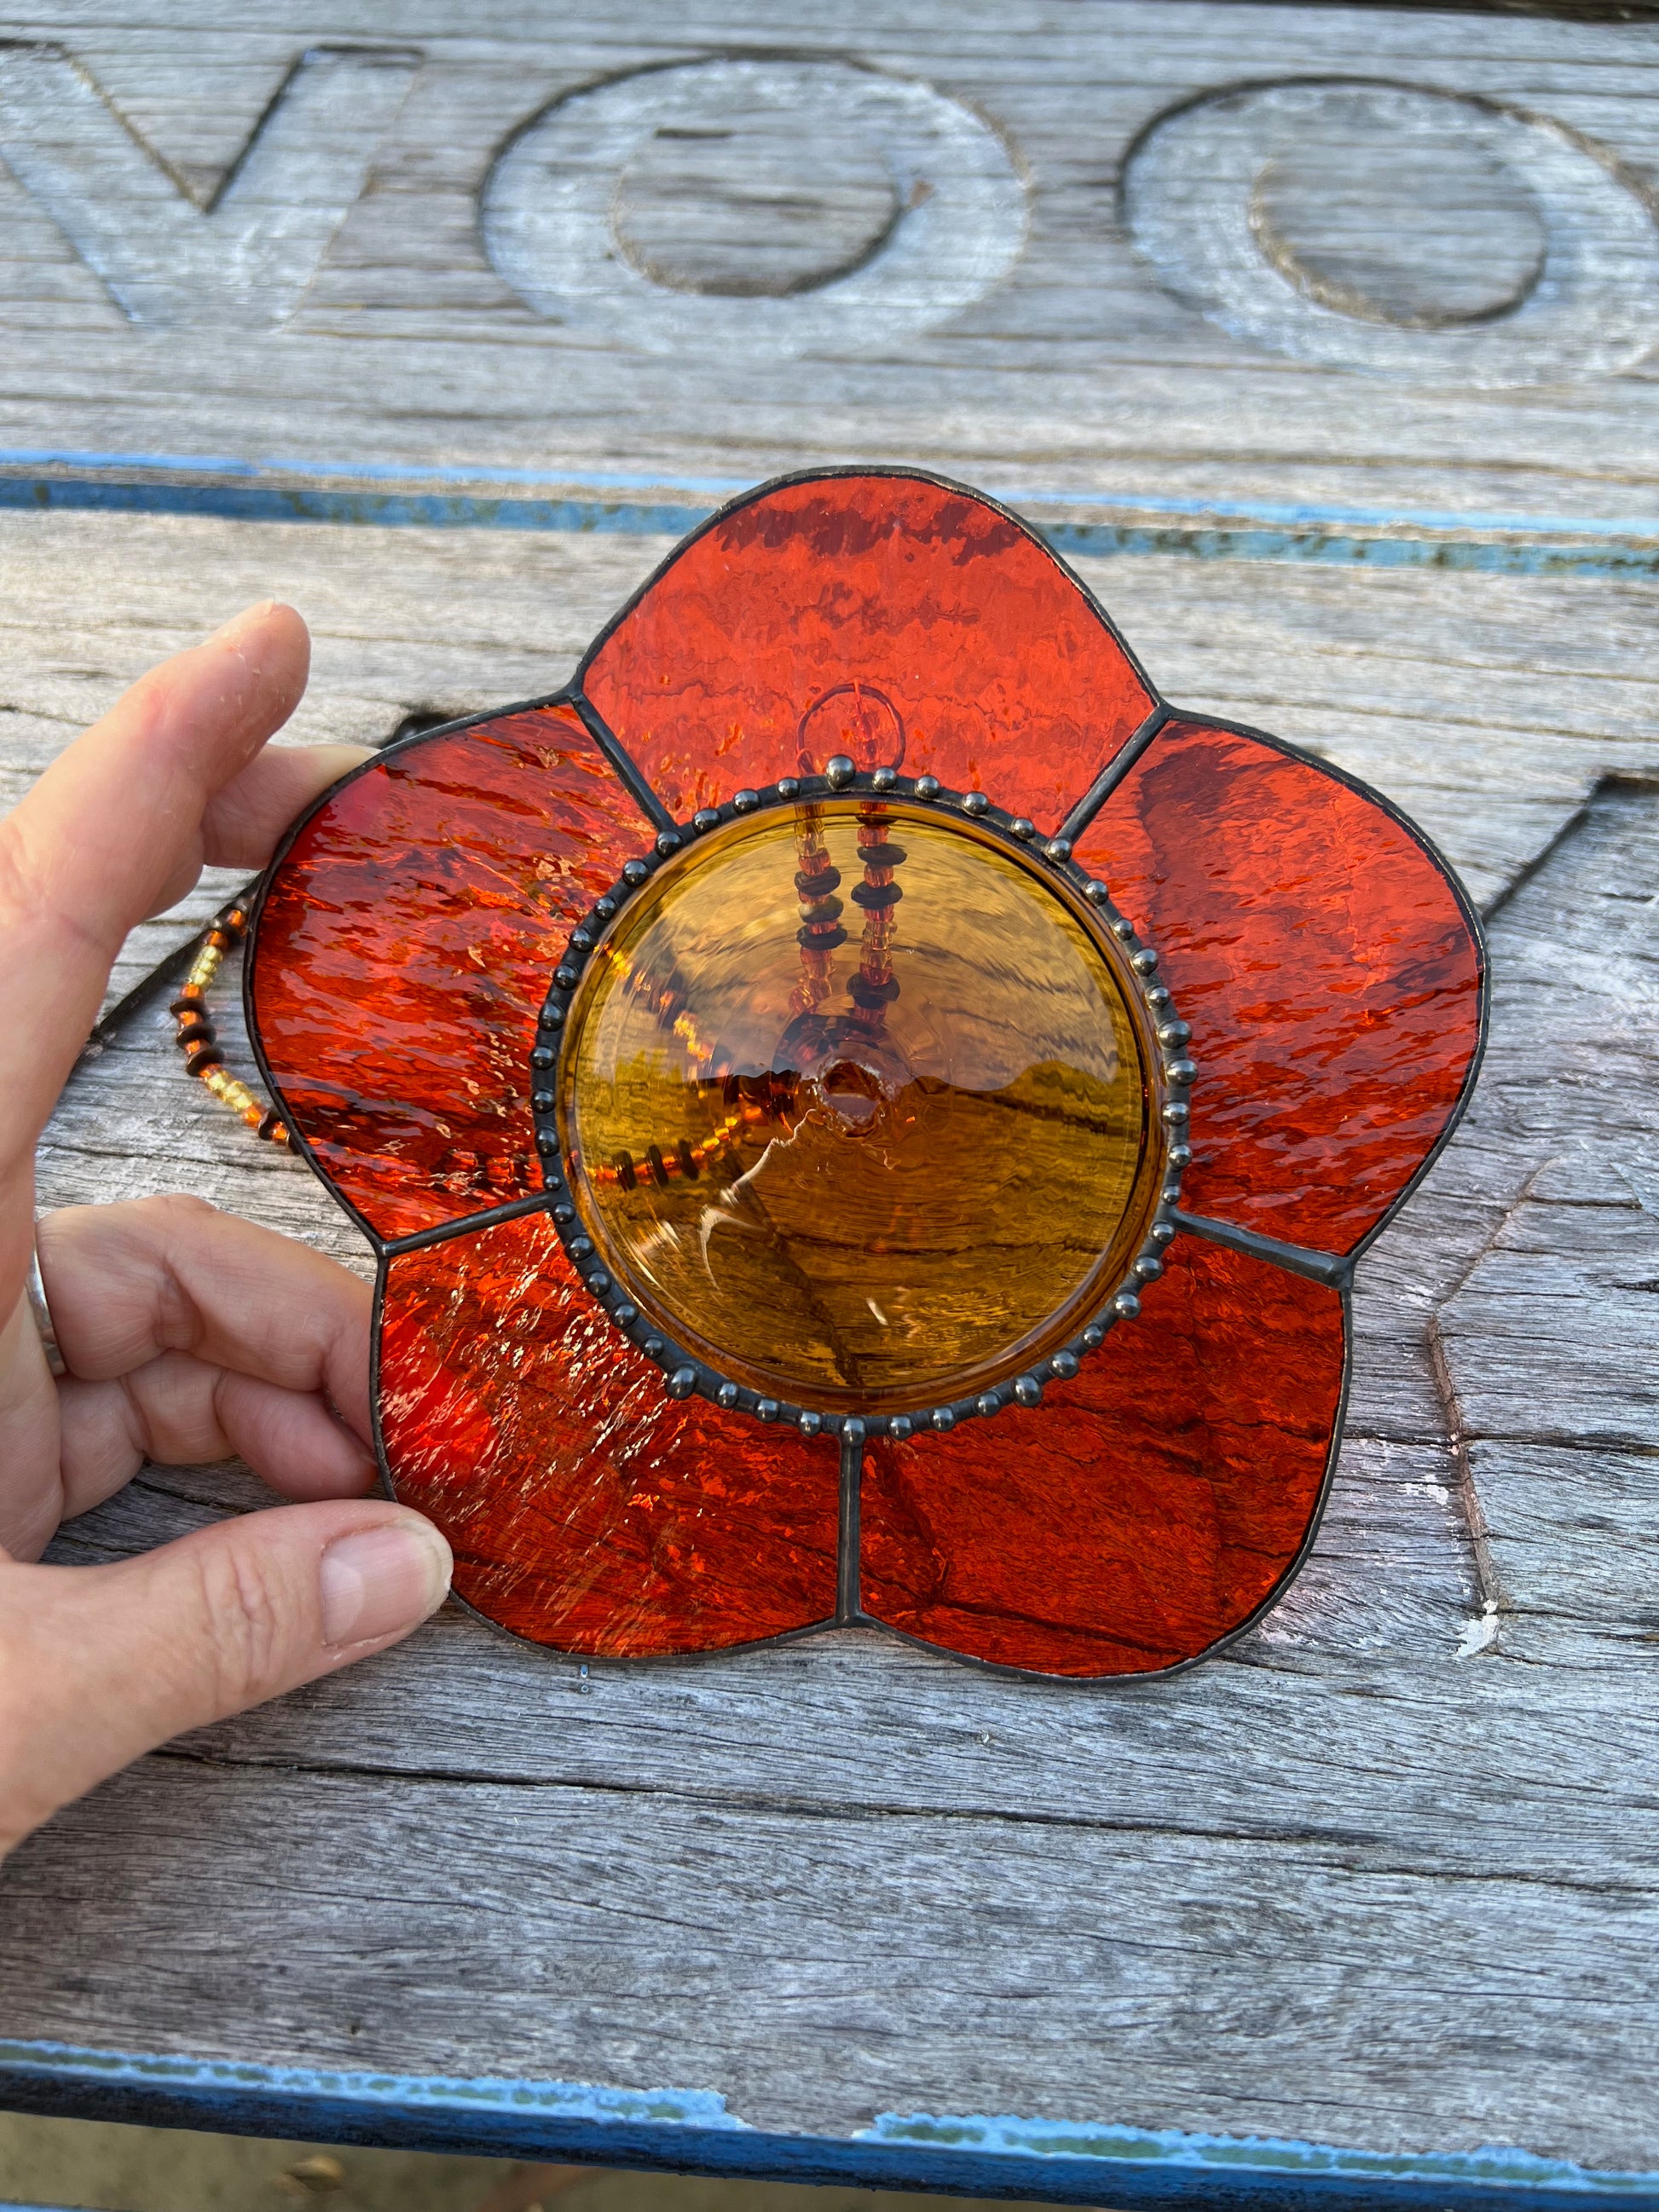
113	830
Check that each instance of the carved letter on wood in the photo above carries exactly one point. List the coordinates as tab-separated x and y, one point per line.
777	206
244	259
1370	226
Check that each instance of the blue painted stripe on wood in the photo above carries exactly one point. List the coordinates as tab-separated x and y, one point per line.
579	2100
690	2131
1293	513
707	489
343	492
1492	2166
260	502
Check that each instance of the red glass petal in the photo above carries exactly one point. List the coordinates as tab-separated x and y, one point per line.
1327	965
1146	1508
586	1509
886	616
404	950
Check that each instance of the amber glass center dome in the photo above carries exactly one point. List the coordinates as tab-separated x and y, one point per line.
856	1106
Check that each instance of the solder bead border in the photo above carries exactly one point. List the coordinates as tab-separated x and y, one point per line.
686	1376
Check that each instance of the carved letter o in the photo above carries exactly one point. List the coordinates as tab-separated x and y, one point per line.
550	209
1192	202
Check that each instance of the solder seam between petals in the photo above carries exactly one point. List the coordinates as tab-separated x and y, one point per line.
627	768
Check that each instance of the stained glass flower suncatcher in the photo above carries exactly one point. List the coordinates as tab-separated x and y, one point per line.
866	1113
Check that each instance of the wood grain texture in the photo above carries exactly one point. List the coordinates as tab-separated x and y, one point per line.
247	257
1383	1875
1079	365
1562	1451
1343	1882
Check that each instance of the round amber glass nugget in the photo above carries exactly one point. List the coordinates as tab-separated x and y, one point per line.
857	1107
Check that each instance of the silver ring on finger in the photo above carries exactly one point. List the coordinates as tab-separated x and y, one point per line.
43	1320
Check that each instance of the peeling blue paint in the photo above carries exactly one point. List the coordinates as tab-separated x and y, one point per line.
239	501
577	2100
1295	512
296	490
1492	2165
691	2131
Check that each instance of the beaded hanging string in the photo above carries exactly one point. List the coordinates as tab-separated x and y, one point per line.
198	1041
816	881
875	985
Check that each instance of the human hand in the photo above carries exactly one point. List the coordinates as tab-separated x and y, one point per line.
189	1336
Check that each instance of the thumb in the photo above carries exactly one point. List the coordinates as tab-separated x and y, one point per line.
98	1664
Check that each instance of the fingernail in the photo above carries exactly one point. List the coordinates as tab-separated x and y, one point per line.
382	1580
249	618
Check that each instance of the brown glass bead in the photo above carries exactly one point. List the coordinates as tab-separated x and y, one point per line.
202	1060
188	1000
196	1032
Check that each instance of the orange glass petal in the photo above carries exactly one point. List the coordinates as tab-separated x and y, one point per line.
403	949
896	620
1327	966
1143	1510
585	1509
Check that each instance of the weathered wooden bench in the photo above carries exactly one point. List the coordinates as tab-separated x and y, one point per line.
1321	339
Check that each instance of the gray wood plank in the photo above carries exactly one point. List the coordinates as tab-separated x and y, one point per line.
1384	1873
90	606
810	1966
1509	692
1563	1465
1344	1881
1096	358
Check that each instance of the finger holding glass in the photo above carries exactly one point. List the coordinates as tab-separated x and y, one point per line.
163	1330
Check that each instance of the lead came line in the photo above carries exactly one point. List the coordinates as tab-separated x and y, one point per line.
1113	773
622	761
464	1226
849	1593
1334	1269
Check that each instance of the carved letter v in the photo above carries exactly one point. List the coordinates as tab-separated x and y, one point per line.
247	258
